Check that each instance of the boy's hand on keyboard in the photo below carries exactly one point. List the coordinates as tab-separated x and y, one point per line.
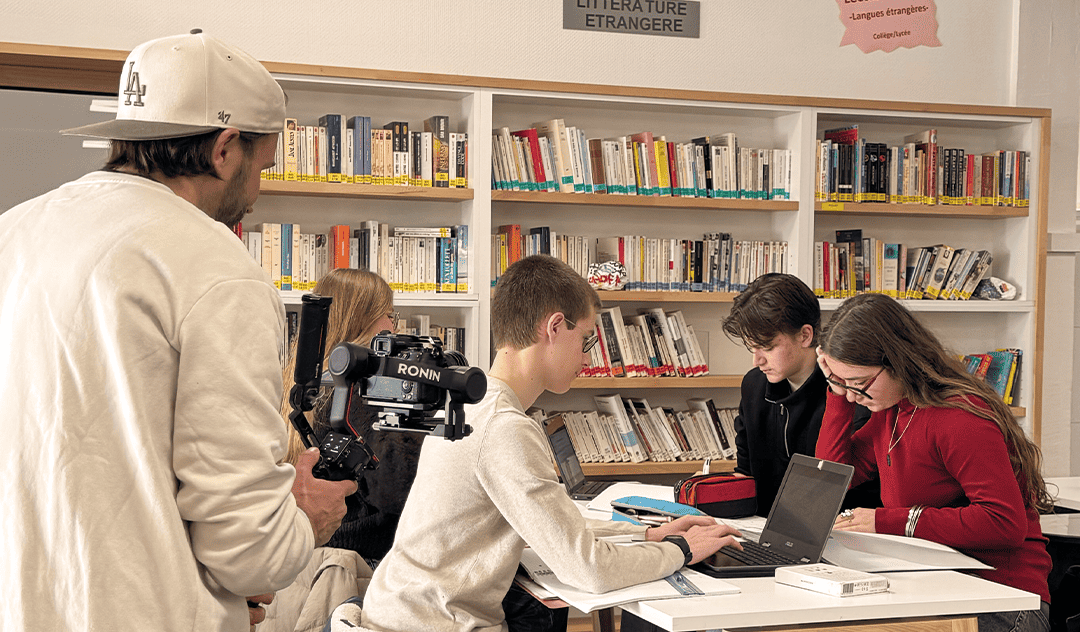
702	533
706	540
679	526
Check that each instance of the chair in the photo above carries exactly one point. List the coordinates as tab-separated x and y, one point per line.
1065	602
331	579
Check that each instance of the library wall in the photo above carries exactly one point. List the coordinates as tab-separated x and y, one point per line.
789	48
994	52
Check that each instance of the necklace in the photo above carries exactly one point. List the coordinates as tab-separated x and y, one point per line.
896	440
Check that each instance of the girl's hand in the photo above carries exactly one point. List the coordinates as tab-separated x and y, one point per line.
824	364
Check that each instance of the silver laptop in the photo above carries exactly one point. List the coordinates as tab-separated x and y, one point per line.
798	526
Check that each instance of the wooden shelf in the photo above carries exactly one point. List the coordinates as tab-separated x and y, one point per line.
652	467
653	201
920	210
613	296
972	305
371	191
705	381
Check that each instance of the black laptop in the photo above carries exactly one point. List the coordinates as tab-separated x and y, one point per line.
566	461
798	526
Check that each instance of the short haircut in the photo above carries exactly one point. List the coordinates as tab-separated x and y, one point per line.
531	290
772	304
172	157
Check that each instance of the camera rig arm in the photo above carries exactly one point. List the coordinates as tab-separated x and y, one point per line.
343	456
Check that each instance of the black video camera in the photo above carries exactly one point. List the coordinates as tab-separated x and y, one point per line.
407	379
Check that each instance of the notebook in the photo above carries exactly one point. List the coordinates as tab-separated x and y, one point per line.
566	461
798	525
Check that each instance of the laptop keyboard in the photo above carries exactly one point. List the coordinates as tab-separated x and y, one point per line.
592	487
753	554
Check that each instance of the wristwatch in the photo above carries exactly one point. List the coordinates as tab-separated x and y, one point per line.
688	555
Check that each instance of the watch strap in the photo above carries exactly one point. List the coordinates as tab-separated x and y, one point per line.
681	542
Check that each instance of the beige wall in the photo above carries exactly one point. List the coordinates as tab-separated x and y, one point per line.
1001	52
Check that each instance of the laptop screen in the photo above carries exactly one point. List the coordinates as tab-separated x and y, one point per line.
565	458
805	507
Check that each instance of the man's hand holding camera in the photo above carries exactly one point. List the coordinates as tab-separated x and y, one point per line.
322	501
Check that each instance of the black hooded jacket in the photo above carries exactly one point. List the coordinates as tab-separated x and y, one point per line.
773	423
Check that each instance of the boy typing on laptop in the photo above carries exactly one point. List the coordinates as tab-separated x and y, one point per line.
476	503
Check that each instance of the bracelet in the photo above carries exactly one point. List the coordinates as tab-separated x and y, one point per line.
912	520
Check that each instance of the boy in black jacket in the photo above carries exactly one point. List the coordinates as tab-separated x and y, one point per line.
778	319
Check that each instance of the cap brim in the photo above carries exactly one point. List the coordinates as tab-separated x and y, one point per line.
137	130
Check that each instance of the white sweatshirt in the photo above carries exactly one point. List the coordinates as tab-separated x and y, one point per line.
140	436
473	507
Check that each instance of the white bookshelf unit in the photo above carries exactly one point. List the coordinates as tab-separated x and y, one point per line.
1015	236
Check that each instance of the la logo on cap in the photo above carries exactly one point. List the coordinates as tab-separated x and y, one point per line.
134	88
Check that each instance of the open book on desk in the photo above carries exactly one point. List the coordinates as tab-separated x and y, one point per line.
880	552
587	602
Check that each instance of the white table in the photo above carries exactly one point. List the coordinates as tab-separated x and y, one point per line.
1067	491
918	598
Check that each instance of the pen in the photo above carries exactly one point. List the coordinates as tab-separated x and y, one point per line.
705	467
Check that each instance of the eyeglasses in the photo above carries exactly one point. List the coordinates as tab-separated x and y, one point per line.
588	343
394	316
858	391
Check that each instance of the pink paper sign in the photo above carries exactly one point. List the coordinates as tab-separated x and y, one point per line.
889	24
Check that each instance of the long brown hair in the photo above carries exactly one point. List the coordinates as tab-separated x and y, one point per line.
874	330
361	298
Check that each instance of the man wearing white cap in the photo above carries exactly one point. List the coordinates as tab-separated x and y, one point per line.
143	487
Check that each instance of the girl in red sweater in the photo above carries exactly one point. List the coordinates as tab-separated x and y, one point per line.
955	466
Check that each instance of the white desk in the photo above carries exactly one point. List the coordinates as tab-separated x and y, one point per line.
918	595
1067	491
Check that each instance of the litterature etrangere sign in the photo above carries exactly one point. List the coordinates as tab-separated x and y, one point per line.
889	24
670	18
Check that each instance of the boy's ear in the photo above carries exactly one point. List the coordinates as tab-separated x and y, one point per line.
551	324
806	336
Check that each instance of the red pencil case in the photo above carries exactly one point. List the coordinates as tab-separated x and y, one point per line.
722	495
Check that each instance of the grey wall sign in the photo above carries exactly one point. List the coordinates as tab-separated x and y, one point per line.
671	18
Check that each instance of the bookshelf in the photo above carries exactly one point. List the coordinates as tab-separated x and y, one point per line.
1015	235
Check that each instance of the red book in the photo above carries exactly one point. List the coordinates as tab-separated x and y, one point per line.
673	168
534	151
513	242
339	246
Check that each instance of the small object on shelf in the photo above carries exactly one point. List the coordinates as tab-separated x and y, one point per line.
610	275
995	289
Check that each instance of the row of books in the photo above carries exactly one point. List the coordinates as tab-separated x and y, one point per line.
349	150
1000	369
409	258
624	429
855	264
451	337
651	343
551	156
509	244
921	171
715	263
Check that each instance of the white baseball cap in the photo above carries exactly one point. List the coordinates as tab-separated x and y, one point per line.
190	84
